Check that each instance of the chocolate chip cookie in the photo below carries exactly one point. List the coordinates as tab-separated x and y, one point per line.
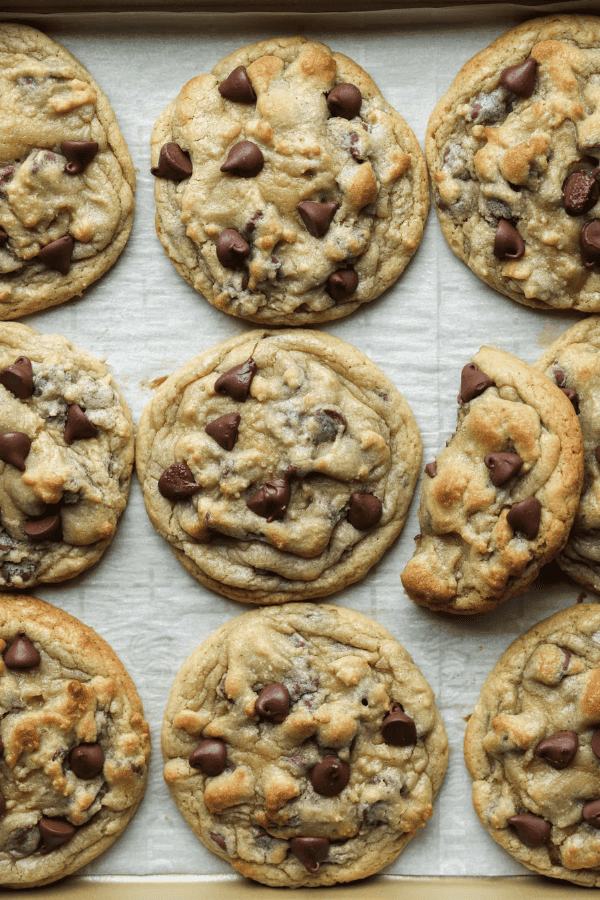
288	191
532	747
500	499
279	466
303	745
573	363
74	745
514	149
66	177
66	455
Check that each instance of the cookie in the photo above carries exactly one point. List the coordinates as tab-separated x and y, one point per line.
74	746
279	466
532	747
573	362
287	190
66	455
513	152
499	501
66	177
303	745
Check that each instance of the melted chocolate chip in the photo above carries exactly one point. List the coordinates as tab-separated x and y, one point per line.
591	813
18	378
317	217
342	284
502	466
57	254
580	193
173	163
78	426
473	382
597	454
238	87
271	500
87	760
3	237
330	776
365	511
573	396
219	840
210	756
235	383
508	243
79	155
310	851
47	528
525	517
344	100
55	833
431	469
21	654
14	447
589	241
224	430
397	728
520	79
533	831
559	749
177	482
2	804
245	160
232	249
273	703
596	743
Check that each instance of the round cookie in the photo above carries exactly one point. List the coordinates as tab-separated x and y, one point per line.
533	749
303	745
279	466
74	744
324	194
500	499
66	177
573	362
66	455
513	154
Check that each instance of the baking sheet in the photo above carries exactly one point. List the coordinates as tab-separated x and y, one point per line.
145	321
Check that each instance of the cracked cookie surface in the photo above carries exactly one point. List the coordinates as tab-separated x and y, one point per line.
326	203
513	152
279	466
66	456
74	743
280	752
66	177
500	499
532	747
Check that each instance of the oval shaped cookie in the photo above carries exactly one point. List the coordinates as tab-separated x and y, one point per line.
287	190
66	455
324	789
512	150
74	744
532	747
279	466
500	499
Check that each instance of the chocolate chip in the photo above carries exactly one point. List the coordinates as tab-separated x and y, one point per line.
596	743
533	831
177	482
559	749
273	703
87	760
508	243
397	728
1	746
173	163
591	813
271	500
47	528
342	284
3	237
244	160
330	776
589	241
232	249
78	426
210	756
235	383
525	517
365	511
14	447
57	255
219	840
310	851
18	378
580	193
520	79
2	804
597	454
559	376
224	430
55	833
344	100
573	396
431	469
473	382
502	466
329	422
21	654
317	216
79	155
238	87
